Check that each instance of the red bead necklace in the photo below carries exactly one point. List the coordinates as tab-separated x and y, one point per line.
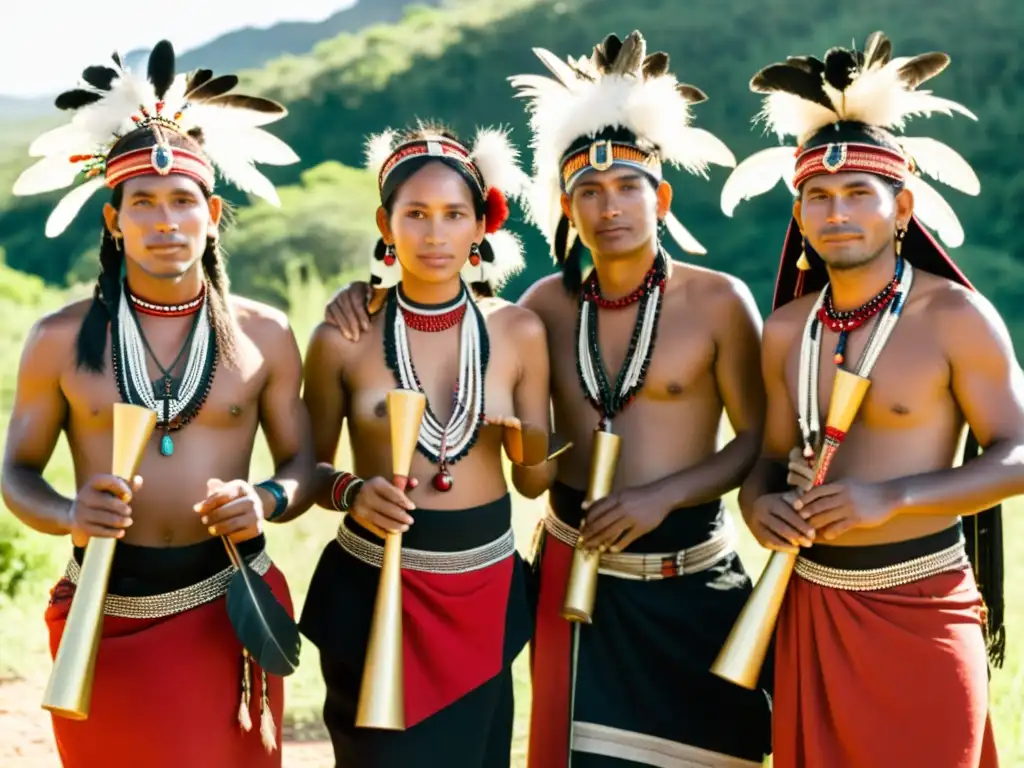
167	310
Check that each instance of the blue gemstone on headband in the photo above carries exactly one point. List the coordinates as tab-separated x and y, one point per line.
162	159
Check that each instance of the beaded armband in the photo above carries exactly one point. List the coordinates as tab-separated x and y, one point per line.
346	485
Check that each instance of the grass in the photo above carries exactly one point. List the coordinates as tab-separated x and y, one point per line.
296	547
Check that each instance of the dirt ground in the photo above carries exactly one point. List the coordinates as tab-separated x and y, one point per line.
26	740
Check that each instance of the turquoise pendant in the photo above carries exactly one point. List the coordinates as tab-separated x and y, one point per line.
166	445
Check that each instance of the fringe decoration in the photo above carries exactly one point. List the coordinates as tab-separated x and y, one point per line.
244	719
268	730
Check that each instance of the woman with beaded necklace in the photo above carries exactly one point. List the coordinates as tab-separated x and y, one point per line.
465	611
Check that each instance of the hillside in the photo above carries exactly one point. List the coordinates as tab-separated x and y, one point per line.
453	64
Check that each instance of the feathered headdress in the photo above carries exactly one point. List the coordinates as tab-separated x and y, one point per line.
112	102
621	90
843	112
490	166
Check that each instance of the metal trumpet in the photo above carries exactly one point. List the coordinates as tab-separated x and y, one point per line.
742	656
69	689
381	693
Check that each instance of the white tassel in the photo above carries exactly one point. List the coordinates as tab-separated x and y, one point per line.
244	719
268	730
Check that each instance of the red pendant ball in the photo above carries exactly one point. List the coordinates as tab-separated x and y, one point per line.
389	260
442	482
839	359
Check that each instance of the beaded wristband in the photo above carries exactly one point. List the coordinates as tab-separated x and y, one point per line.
343	492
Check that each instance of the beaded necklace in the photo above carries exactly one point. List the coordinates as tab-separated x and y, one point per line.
444	444
888	313
608	400
176	400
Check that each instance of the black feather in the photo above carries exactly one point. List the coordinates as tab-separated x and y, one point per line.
211	89
161	67
923	67
196	79
841	64
100	77
76	99
610	49
877	50
255	103
117	59
691	93
808	64
656	64
789	79
262	624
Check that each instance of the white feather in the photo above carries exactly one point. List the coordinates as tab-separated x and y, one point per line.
682	236
264	147
50	173
935	212
560	69
787	115
756	175
508	259
498	161
237	168
112	115
942	163
68	139
70	205
378	150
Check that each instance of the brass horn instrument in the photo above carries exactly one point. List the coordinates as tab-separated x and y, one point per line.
381	693
743	654
581	588
69	689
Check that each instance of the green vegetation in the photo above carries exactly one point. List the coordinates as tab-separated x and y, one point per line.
452	63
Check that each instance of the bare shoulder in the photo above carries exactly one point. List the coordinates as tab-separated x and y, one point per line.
713	290
547	295
56	333
260	322
784	326
964	320
518	324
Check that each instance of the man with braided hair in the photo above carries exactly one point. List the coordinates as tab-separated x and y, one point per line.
214	368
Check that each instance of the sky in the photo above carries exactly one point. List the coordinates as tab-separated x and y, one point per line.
40	55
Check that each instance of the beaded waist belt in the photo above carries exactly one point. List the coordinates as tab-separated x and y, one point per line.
953	558
427	561
171	603
653	566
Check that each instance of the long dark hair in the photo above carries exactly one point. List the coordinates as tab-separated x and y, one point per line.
92	336
406	170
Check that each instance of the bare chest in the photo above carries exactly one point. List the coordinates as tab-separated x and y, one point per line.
680	364
231	398
435	363
910	382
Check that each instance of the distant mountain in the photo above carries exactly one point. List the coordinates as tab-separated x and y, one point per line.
246	48
18	108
